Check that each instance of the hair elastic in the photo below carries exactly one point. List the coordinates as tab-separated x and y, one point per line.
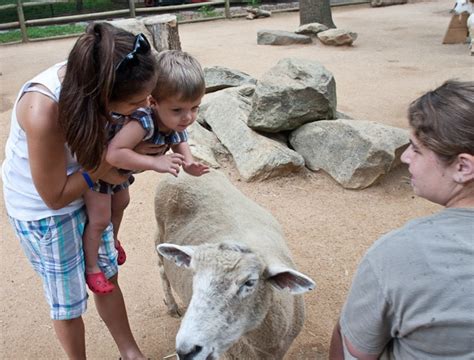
88	179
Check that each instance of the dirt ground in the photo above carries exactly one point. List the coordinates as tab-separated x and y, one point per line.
397	56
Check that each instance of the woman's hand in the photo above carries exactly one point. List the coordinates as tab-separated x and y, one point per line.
103	169
113	176
107	172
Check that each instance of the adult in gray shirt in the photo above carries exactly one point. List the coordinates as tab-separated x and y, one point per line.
412	296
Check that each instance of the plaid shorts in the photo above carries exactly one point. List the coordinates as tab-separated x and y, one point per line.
106	188
54	248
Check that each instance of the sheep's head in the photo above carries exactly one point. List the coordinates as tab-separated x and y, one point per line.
461	6
231	295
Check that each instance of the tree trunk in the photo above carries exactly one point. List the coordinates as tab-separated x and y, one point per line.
164	29
79	5
316	11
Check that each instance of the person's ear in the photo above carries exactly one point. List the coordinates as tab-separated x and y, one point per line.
151	100
464	171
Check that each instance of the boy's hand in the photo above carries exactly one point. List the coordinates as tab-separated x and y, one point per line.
195	168
168	163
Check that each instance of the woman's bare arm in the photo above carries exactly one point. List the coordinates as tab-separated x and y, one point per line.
38	116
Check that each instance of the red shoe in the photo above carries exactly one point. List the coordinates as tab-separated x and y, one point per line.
98	283
122	256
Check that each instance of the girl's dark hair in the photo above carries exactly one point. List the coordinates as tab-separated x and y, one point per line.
443	119
91	82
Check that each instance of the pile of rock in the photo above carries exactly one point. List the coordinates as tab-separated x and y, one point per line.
305	35
288	120
282	122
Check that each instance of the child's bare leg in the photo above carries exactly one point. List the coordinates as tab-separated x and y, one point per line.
120	201
99	214
70	334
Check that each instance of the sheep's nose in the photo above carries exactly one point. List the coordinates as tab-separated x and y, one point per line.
189	354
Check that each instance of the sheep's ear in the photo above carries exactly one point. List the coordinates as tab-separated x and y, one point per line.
286	278
181	255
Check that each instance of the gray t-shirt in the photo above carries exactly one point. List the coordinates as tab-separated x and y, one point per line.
412	296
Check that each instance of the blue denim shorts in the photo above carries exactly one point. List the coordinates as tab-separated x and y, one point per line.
54	248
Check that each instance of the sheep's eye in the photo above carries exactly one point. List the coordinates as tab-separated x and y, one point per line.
250	282
247	287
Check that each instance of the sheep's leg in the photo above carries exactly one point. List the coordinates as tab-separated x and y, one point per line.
471	46
170	302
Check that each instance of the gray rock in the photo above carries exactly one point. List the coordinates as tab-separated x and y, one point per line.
341	115
311	29
204	144
377	3
337	37
218	77
355	153
256	157
292	93
278	37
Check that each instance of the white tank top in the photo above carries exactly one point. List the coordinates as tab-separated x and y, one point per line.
22	201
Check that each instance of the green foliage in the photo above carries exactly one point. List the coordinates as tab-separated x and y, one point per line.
58	9
253	3
207	11
41	32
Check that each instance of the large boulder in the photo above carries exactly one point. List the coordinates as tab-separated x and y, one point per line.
378	3
204	144
219	77
355	153
279	37
337	37
311	29
292	93
256	157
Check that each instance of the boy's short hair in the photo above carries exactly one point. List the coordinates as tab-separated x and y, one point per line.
443	119
179	74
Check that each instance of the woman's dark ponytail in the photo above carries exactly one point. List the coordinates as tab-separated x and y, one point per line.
89	85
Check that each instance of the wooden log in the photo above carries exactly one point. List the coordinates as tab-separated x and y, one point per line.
21	20
164	31
160	30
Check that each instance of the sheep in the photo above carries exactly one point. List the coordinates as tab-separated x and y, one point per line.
234	274
467	6
461	6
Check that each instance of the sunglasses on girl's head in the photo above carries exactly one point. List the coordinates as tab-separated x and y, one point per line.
140	46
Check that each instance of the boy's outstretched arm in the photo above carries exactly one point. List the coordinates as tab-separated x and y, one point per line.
121	153
191	166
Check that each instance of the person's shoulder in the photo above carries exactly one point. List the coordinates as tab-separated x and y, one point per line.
141	113
38	112
414	225
446	218
144	116
404	239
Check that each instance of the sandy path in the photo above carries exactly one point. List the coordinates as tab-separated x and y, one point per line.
397	56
